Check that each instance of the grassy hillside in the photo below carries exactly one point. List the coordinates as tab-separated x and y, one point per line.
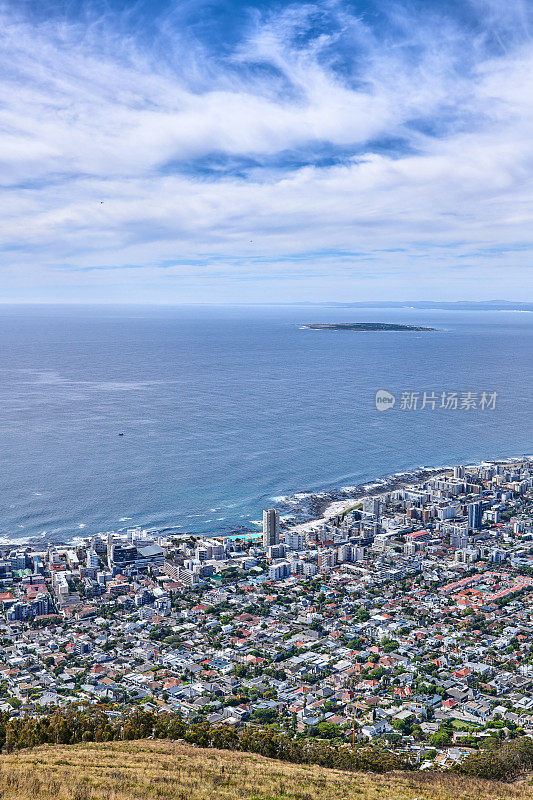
154	770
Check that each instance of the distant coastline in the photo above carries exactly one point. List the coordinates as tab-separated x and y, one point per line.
427	305
363	326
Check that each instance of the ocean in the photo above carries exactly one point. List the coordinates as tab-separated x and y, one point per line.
227	410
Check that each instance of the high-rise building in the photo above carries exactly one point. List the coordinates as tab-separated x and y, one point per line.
327	559
122	555
276	551
279	571
458	472
372	506
475	514
459	540
295	541
358	553
270	527
92	559
18	560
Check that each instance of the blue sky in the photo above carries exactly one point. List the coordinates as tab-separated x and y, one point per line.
157	151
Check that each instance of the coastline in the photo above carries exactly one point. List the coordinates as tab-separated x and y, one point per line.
332	507
298	511
330	504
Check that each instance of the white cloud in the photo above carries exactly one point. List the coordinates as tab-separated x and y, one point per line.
88	116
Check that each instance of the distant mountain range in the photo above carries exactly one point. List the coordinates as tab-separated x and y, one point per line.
458	305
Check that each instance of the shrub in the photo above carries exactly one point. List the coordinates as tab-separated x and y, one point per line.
503	764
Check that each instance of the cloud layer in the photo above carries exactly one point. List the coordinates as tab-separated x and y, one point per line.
313	151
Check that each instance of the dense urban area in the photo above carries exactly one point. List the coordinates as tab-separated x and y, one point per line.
404	620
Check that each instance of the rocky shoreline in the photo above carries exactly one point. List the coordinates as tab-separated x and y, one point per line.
307	507
298	509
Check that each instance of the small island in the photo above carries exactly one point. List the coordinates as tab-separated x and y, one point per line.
363	326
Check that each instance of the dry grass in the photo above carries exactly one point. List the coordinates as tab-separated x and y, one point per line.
156	770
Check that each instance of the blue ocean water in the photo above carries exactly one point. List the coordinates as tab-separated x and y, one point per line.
223	409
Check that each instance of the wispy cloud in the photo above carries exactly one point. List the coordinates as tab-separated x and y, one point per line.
137	163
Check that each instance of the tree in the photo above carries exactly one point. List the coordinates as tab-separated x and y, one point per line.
328	730
440	738
265	716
